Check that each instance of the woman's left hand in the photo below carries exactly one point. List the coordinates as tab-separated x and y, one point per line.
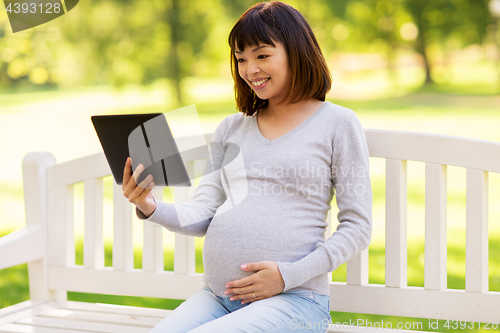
264	283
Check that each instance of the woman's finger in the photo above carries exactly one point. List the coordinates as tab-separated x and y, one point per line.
250	296
139	192
145	183
240	292
246	281
130	189
132	183
149	188
253	299
127	172
147	191
137	172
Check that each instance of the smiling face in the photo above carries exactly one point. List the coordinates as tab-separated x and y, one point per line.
266	70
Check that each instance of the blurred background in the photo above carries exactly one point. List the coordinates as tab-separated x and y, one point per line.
412	65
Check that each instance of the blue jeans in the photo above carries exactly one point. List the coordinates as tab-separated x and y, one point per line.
291	311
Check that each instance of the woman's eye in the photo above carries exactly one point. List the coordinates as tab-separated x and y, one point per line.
262	56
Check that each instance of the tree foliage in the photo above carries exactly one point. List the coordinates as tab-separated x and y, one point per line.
137	41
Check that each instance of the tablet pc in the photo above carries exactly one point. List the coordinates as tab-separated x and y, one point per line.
147	139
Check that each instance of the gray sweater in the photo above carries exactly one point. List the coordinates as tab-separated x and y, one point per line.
268	200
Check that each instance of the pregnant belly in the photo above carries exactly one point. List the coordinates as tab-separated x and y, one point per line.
222	265
233	239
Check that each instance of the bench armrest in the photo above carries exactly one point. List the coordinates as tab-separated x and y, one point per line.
22	246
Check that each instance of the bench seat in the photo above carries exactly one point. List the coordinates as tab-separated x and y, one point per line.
77	317
44	317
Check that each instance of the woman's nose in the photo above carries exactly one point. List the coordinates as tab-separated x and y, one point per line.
252	68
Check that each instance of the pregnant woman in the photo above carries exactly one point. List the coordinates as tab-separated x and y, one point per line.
262	203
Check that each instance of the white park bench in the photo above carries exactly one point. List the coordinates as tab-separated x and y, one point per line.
47	244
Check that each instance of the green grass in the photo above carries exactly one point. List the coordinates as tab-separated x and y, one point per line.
14	285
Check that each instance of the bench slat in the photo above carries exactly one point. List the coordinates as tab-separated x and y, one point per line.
61	251
34	169
118	309
13	319
129	283
97	317
81	325
476	243
395	224
435	273
23	245
357	269
434	148
78	170
184	252
123	251
93	247
416	302
18	311
13	328
152	251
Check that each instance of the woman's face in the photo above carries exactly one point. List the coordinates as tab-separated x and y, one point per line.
265	69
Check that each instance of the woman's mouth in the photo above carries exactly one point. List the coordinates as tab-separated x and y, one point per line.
261	83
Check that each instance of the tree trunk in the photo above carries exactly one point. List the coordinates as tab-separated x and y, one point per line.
496	60
391	66
421	48
175	29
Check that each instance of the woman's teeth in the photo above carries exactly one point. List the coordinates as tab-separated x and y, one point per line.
259	83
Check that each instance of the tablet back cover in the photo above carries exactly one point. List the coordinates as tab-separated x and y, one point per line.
114	132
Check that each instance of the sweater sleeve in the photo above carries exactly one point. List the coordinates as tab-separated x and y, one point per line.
192	218
351	181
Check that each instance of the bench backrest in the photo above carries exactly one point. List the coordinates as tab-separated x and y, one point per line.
49	196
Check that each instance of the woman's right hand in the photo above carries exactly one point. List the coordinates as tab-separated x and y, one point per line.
139	194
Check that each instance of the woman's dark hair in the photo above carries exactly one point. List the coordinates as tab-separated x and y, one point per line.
275	20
